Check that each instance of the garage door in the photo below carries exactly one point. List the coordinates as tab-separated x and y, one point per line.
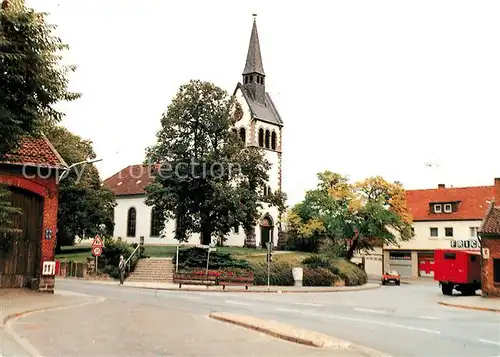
403	269
400	261
426	265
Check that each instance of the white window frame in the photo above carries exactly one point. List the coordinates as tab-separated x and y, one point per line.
473	232
436	210
447	208
437	232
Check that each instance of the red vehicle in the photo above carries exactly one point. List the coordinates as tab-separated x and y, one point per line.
457	269
391	276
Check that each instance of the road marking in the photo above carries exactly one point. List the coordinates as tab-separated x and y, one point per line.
308	304
389	324
370	310
430	317
236	303
490	342
193	298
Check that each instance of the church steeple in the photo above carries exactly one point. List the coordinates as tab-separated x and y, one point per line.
253	74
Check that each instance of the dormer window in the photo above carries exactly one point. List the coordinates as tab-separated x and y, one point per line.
437	208
447	208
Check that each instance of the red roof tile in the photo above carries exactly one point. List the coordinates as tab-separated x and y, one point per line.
473	202
491	223
37	152
132	180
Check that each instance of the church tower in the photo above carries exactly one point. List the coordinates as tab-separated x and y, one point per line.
253	74
263	123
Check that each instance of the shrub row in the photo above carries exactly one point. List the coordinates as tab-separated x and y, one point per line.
319	269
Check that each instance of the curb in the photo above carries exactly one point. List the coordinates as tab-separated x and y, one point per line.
292	334
24	343
272	291
469	307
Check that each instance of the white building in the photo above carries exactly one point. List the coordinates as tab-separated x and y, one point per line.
260	125
442	217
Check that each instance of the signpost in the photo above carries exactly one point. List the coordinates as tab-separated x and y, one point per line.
97	245
269	247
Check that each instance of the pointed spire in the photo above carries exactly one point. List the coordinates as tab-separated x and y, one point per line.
254	57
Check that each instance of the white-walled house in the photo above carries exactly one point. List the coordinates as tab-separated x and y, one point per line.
441	217
259	125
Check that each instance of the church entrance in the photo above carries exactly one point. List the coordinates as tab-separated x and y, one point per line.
266	230
20	260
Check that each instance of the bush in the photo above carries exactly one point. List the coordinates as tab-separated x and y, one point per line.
197	258
319	277
281	274
309	244
347	271
351	273
110	257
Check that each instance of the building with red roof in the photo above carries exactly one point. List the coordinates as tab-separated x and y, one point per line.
442	218
490	244
31	174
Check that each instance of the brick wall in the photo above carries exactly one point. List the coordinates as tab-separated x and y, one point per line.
489	287
46	188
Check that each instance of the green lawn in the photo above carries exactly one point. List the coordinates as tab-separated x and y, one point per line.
80	254
76	254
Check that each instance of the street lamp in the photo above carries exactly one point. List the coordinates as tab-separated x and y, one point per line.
66	172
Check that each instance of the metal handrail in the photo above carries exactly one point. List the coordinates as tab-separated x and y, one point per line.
131	255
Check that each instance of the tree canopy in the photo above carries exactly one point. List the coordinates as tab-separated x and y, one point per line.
85	206
33	80
369	212
205	177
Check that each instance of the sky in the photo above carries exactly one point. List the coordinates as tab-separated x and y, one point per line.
409	90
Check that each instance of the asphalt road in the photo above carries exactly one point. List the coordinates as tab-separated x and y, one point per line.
399	320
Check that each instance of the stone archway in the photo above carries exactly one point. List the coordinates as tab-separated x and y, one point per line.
266	230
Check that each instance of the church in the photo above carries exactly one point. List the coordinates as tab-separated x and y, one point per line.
260	126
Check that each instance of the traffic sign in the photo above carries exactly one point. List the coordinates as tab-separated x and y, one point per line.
96	251
97	242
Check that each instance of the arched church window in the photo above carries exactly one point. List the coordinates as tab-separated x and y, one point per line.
261	137
273	140
268	137
243	135
131	222
157	222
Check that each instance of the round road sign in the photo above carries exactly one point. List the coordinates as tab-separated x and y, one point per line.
96	251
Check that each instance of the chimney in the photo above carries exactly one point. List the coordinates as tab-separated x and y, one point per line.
441	185
497	191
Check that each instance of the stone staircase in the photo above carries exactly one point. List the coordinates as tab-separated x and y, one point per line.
159	270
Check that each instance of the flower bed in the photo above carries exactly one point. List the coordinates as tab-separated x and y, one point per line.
219	276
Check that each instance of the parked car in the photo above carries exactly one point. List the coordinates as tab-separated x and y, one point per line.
391	276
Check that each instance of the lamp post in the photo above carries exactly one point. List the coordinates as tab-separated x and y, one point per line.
66	172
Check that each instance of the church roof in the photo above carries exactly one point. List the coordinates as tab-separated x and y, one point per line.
267	112
132	180
254	57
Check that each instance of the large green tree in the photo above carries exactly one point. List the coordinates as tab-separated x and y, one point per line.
205	177
85	206
365	213
32	79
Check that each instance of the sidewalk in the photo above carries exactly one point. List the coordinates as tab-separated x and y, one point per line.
251	289
17	302
471	302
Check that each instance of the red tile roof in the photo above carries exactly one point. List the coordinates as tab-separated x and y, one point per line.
473	202
491	223
37	152
132	180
